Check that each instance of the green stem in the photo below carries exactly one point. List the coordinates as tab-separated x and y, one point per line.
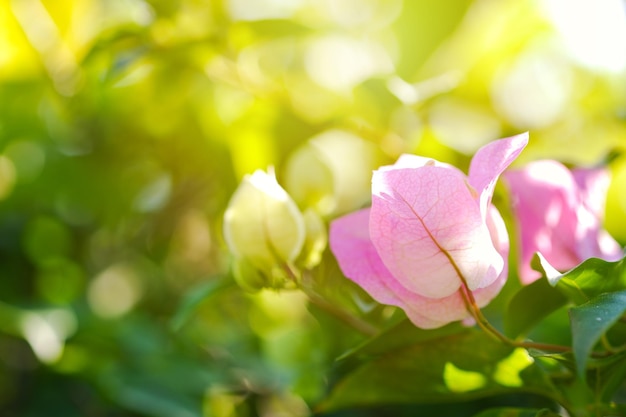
481	320
354	322
484	324
335	311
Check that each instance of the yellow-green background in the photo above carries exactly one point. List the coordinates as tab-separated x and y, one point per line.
126	125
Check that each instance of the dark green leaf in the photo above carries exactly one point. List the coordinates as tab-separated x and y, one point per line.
530	305
458	366
591	320
399	336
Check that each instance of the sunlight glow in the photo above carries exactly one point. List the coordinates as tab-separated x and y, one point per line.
508	369
459	380
463	125
339	63
594	32
262	9
44	36
534	91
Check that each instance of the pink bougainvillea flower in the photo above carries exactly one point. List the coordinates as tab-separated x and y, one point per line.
430	231
560	215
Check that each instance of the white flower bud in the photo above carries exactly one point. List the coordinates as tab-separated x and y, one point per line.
262	223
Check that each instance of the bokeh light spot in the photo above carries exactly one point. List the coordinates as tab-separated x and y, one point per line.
115	291
339	63
46	332
463	125
262	9
534	91
594	32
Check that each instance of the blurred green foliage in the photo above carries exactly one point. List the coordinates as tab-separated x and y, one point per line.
126	125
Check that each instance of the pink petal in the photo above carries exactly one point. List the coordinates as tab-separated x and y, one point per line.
593	241
545	199
593	185
359	261
608	248
430	313
427	228
489	162
500	239
350	243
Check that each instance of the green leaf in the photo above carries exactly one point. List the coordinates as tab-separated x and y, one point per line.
193	299
592	278
516	412
401	335
454	367
590	321
540	264
544	300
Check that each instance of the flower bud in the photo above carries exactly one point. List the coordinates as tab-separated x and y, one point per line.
248	277
262	224
316	240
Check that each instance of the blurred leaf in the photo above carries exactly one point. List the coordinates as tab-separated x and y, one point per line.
123	45
590	321
193	298
148	399
544	298
417	373
516	412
